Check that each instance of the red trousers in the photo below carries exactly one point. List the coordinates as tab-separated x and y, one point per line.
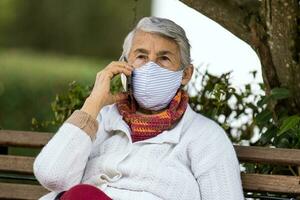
84	192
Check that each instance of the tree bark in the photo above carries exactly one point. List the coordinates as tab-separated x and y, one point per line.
271	28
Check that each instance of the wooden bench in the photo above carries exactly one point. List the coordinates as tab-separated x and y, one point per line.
17	180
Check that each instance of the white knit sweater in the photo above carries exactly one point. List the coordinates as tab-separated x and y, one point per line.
193	161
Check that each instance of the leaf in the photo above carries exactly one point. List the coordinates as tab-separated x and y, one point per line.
280	93
263	117
288	124
267	136
264	100
249	167
283	143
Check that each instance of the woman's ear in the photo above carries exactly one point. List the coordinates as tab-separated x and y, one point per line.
187	74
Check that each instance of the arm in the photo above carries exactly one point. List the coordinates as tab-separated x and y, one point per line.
215	167
60	165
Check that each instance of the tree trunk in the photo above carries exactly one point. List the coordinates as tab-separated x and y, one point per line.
271	28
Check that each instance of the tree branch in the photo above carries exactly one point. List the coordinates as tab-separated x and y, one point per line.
231	14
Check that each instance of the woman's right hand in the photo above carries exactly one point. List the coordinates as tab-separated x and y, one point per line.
101	95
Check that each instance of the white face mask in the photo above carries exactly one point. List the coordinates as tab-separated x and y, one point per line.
155	86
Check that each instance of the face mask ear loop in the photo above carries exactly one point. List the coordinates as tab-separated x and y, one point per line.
183	87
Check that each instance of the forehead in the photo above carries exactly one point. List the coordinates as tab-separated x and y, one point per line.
152	41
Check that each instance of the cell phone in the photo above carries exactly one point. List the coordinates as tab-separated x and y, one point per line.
127	85
126	80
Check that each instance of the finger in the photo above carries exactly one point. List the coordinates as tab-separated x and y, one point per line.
129	66
118	69
126	67
123	64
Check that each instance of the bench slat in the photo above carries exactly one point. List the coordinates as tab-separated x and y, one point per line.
24	138
245	153
21	191
268	155
21	164
251	182
271	183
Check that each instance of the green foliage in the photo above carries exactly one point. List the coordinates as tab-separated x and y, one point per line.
279	129
217	99
290	124
220	101
66	103
63	105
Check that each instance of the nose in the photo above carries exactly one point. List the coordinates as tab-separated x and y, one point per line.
152	57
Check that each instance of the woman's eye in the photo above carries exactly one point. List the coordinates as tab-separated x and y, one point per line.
141	56
165	58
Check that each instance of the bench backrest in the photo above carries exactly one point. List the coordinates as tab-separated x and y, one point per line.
19	168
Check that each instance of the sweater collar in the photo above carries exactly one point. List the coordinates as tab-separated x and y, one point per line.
113	121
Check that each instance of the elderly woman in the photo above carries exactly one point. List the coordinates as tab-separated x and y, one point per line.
144	145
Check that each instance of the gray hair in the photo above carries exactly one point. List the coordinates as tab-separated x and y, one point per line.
164	27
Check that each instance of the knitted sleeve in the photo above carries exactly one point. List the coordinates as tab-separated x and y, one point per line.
215	166
61	163
84	121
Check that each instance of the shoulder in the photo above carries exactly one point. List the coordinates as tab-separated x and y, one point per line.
206	133
208	145
204	127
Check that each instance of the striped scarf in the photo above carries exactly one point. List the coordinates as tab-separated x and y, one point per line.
144	126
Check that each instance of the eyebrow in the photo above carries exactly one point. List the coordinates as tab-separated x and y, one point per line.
164	52
140	50
160	53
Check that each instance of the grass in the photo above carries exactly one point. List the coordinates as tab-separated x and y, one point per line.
29	81
32	67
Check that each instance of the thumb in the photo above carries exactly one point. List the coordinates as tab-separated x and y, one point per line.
120	96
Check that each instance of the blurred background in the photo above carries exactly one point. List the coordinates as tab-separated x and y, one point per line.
46	44
51	50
